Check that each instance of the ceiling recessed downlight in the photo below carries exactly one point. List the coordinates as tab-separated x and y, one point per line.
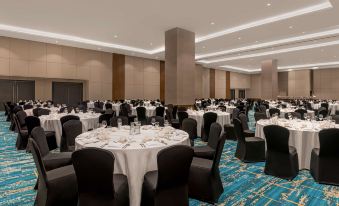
268	4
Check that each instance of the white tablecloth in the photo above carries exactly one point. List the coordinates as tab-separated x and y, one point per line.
304	136
332	107
52	123
223	118
289	110
135	160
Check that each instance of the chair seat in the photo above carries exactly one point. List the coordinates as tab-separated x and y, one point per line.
249	133
56	160
206	152
204	164
254	139
61	172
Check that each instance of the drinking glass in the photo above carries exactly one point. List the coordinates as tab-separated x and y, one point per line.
119	123
320	117
104	124
153	122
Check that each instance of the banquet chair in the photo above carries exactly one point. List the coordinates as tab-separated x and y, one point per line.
262	108
51	160
169	184
294	115
281	159
181	116
325	105
208	151
302	113
22	138
189	125
36	111
235	113
182	109
229	132
204	181
159	111
16	109
208	118
141	113
249	149
108	106
173	122
323	111
33	122
109	111
114	121
56	186
28	106
97	183
246	130
273	111
125	110
336	118
21	115
325	159
174	112
158	119
259	115
42	111
105	117
222	108
72	129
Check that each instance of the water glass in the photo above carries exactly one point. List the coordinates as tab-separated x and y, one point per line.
119	123
103	124
153	121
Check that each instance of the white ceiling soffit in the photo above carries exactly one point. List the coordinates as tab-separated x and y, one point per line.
57	36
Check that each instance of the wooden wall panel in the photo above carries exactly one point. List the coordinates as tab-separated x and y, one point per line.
228	85
212	83
162	80
118	91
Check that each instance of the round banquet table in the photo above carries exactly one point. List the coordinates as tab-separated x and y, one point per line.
52	122
140	155
304	136
223	118
289	110
332	107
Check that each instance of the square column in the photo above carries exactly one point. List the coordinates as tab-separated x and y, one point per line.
269	79
179	67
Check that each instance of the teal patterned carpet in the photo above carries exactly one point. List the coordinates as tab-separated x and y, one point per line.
244	184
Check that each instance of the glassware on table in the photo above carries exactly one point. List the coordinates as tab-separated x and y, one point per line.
153	121
166	123
104	124
321	117
132	129
119	121
156	124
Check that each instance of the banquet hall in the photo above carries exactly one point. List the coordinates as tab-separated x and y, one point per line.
162	103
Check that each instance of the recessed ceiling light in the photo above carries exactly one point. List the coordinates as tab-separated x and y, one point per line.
289	70
203	47
115	36
99	48
268	4
157	57
290	27
257	41
212	23
304	32
151	43
239	38
56	41
315	67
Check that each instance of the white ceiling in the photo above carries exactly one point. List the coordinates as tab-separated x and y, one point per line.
240	29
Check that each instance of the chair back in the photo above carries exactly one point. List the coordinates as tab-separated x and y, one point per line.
336	119
189	125
260	115
238	130
94	169
277	138
169	116
31	123
17	109
34	148
243	119
105	117
181	116
174	112
302	113
161	120
28	106
39	136
114	121
214	135
323	111
72	129
43	112
141	112
273	111
218	152
209	118
235	113
329	142
108	106
159	111
174	163
21	115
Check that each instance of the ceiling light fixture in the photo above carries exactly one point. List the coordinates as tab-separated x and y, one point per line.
315	67
268	4
290	27
212	23
272	43
239	38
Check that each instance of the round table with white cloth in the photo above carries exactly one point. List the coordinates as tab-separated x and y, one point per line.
135	155
332	107
52	123
289	110
304	135
223	118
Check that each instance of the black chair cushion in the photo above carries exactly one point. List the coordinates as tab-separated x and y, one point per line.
56	160
204	152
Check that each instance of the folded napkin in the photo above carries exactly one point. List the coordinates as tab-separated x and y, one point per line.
98	144
89	141
115	145
176	138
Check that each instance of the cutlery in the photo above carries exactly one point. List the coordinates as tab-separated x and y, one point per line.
126	145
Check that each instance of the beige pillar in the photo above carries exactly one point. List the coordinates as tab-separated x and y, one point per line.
179	67
269	79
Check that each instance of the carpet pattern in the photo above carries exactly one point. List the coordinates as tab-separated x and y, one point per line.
244	184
